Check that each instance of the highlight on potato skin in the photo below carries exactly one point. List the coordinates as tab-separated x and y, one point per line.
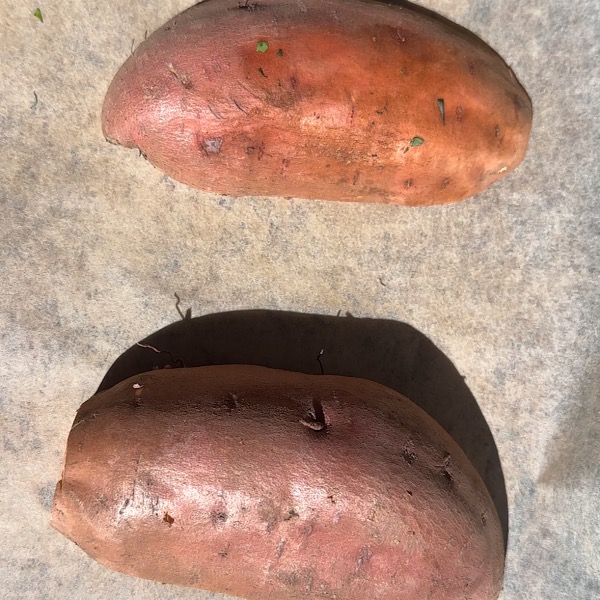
272	485
330	99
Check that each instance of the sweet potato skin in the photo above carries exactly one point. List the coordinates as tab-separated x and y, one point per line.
331	99
221	478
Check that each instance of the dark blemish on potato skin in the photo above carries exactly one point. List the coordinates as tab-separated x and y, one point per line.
445	471
225	552
315	419
231	402
280	549
268	514
355	177
291	514
442	110
445	183
261	71
125	505
409	492
218	517
364	555
459	113
498	135
168	519
408	183
212	145
259	150
247	5
408	456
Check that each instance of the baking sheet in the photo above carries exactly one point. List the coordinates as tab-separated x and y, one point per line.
485	312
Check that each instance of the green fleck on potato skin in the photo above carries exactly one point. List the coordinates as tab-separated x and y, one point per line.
262	47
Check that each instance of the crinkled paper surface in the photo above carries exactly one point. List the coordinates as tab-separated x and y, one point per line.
94	242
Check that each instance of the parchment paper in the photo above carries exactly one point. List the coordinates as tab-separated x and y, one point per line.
94	242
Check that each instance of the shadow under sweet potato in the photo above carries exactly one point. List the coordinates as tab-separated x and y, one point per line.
389	352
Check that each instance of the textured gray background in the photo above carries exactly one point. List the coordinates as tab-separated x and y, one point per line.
95	241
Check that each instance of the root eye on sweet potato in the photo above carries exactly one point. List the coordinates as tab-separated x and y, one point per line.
217	478
333	99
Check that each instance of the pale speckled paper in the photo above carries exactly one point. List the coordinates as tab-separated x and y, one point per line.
94	243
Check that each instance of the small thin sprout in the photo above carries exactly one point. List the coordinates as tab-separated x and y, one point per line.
154	349
440	104
319	361
38	15
188	312
262	47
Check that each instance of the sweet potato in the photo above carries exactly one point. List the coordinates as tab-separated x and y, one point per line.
272	485
331	99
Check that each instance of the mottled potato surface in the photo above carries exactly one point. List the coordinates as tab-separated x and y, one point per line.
331	99
272	485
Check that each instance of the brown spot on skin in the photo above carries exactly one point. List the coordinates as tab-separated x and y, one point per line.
225	552
212	145
230	402
408	456
498	135
280	549
355	177
445	469
258	150
291	514
168	519
248	6
268	514
289	578
408	183
218	517
445	183
364	555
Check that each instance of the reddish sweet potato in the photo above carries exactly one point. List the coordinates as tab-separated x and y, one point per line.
273	485
331	99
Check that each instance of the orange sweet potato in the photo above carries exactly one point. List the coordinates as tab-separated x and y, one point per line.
272	485
332	99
